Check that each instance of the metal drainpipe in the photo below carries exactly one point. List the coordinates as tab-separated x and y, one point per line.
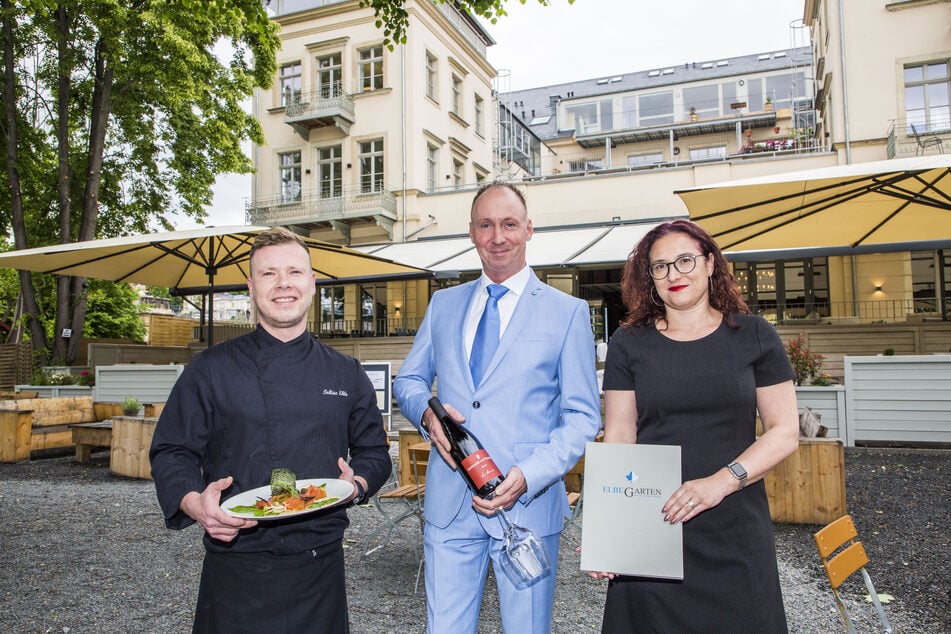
848	145
845	90
403	130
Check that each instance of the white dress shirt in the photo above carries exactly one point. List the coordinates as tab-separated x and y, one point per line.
507	303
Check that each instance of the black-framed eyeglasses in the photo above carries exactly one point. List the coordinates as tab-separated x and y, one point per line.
684	264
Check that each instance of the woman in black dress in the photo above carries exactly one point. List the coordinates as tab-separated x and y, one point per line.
691	366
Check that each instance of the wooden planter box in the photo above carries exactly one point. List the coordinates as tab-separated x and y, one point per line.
808	487
131	439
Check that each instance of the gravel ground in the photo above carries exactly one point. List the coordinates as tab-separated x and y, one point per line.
86	551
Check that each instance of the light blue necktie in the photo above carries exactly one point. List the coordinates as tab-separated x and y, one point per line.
487	334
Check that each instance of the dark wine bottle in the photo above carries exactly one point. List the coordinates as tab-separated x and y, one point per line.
479	470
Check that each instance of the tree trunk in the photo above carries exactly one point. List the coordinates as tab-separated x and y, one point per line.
27	293
63	298
99	123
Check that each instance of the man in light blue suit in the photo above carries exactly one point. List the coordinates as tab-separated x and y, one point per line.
534	409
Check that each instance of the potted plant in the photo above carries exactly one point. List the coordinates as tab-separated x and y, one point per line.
769	105
805	363
694	117
131	406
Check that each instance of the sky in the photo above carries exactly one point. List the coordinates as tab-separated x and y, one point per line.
541	46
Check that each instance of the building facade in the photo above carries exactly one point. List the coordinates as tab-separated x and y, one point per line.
383	149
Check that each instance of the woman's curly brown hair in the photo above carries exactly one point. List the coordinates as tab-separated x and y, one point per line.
637	286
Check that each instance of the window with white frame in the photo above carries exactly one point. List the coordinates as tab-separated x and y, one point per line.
583	117
927	103
371	68
330	172
655	108
586	165
329	75
371	166
479	111
458	173
708	153
640	160
703	101
629	112
289	163
432	166
432	76
456	96
290	78
480	178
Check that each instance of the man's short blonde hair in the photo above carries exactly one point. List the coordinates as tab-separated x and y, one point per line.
273	237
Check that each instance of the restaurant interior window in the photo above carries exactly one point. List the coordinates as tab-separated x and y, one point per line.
331	311
924	281
373	309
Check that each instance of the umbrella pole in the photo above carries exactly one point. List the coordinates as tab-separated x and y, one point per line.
210	269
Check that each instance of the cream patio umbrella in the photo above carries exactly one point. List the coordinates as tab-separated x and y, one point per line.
197	261
901	204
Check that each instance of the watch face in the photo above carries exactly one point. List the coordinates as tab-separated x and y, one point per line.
738	470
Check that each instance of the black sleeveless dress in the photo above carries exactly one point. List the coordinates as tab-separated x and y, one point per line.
701	395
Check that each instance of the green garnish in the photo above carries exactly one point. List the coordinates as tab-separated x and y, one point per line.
283	481
267	512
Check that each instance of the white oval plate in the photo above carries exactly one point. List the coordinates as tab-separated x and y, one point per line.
340	489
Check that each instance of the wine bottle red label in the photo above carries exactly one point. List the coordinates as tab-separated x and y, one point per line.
480	467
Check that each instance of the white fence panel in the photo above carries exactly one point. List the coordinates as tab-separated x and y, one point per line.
898	399
148	383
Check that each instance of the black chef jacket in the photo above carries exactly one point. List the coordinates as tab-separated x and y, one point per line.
254	403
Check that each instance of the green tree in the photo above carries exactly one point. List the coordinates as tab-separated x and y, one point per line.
117	116
112	312
393	19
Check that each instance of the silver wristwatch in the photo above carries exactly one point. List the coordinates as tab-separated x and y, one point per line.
738	472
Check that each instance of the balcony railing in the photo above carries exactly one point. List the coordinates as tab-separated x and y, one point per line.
328	105
676	150
865	312
314	206
368	327
924	138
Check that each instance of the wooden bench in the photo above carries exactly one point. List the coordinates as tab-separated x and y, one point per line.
34	424
89	435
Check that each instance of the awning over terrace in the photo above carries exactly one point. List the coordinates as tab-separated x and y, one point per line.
582	246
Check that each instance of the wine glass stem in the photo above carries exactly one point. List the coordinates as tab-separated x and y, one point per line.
506	522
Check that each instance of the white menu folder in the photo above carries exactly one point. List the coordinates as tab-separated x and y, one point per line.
622	526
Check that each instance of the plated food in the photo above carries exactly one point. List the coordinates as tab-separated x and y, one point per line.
287	496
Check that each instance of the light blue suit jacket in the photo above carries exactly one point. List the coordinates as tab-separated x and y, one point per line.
536	407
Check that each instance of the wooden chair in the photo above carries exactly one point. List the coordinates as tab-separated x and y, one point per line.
842	555
926	142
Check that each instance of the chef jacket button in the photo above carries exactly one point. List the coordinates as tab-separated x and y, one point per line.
476	405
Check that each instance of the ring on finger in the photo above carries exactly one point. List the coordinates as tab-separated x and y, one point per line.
691	504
